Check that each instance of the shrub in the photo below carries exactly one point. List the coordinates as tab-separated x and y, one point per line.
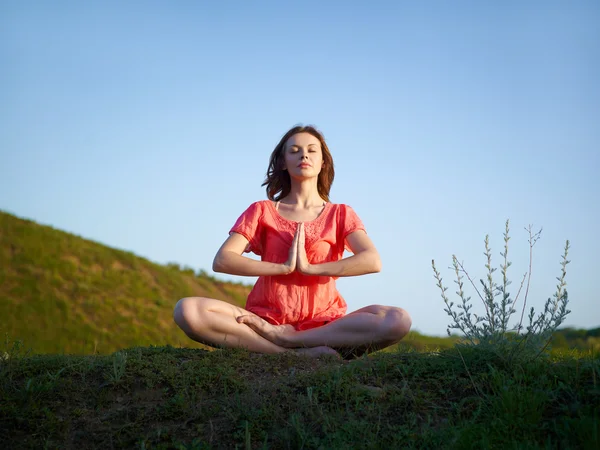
492	330
173	266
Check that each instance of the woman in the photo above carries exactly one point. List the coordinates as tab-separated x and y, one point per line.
301	237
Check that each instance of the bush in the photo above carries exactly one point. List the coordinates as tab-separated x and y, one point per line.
492	329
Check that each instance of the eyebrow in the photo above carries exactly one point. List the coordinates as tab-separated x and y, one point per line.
294	145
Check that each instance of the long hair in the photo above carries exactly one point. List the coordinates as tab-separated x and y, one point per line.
278	180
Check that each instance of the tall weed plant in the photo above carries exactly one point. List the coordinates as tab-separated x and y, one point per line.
492	330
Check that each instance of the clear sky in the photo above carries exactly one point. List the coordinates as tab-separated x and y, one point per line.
147	126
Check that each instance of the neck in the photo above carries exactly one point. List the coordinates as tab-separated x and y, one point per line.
304	193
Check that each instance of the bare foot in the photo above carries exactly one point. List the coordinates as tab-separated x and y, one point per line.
277	334
315	352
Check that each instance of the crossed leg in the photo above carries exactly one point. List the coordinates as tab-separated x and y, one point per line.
217	323
213	322
368	329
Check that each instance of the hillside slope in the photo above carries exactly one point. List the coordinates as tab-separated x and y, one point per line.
60	293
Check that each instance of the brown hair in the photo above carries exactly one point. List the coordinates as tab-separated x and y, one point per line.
278	180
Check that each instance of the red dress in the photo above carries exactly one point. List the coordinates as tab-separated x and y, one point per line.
304	301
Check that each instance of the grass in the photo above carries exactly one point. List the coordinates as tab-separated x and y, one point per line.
91	312
66	294
165	397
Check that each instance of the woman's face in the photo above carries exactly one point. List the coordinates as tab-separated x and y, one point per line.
303	157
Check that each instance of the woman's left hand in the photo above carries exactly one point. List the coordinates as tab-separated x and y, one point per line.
302	264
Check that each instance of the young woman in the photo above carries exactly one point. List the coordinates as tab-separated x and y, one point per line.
301	237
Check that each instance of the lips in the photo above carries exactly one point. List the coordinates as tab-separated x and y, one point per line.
303	165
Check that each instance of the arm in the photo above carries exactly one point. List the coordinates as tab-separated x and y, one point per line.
365	259
229	259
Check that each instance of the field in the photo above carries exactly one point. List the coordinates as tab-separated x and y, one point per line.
164	397
92	359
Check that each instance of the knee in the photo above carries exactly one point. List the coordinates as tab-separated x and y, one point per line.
187	312
397	323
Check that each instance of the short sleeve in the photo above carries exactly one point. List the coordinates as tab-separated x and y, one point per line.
349	223
249	226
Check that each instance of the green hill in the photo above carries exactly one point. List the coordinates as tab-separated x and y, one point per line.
580	339
171	398
60	293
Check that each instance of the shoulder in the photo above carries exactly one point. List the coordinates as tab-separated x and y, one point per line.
342	208
259	205
347	217
263	204
344	214
258	211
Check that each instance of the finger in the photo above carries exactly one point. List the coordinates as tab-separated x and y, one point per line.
296	236
257	324
298	232
301	239
294	247
251	321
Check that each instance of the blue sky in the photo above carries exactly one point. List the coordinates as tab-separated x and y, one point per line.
147	126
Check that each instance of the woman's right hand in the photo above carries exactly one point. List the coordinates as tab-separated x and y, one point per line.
290	264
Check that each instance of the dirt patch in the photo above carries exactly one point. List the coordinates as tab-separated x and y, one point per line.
116	265
151	280
123	312
72	259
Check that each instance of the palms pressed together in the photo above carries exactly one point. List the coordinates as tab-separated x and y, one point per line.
297	259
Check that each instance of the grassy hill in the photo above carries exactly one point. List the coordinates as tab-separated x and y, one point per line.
60	293
169	398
